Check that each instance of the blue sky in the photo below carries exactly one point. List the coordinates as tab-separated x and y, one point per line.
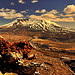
52	10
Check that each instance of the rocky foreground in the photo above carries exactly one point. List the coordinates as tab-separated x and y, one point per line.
38	62
45	65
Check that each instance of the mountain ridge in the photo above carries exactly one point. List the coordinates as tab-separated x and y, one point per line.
36	24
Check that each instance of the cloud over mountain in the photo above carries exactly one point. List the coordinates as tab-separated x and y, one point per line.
51	17
53	12
47	16
42	11
23	12
70	9
55	15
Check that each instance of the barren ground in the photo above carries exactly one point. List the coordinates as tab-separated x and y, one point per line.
51	58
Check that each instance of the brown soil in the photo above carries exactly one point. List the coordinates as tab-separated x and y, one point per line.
51	59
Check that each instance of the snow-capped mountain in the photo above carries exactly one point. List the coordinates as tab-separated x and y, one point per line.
36	24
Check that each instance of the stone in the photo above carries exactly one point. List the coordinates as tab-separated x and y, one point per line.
1	73
37	73
65	59
10	74
0	56
42	65
32	56
37	64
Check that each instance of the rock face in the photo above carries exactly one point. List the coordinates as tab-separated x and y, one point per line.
34	24
12	56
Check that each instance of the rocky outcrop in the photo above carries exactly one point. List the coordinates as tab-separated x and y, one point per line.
12	57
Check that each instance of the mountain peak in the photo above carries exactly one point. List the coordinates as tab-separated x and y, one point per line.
36	24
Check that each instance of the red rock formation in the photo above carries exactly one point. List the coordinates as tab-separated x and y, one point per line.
11	55
22	46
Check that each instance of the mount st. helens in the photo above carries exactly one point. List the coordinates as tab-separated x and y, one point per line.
40	28
36	24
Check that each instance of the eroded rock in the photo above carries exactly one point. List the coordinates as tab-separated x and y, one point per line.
12	57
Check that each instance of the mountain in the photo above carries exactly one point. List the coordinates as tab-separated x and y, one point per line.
35	24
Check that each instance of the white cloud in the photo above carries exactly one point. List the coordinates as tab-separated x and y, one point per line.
61	15
42	11
54	15
70	15
53	12
7	9
21	1
12	11
23	12
69	19
11	14
12	3
34	1
3	9
3	14
40	17
37	11
48	16
36	17
70	9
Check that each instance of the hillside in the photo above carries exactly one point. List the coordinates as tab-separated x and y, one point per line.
48	57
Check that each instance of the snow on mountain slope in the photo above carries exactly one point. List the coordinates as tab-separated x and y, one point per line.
37	25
